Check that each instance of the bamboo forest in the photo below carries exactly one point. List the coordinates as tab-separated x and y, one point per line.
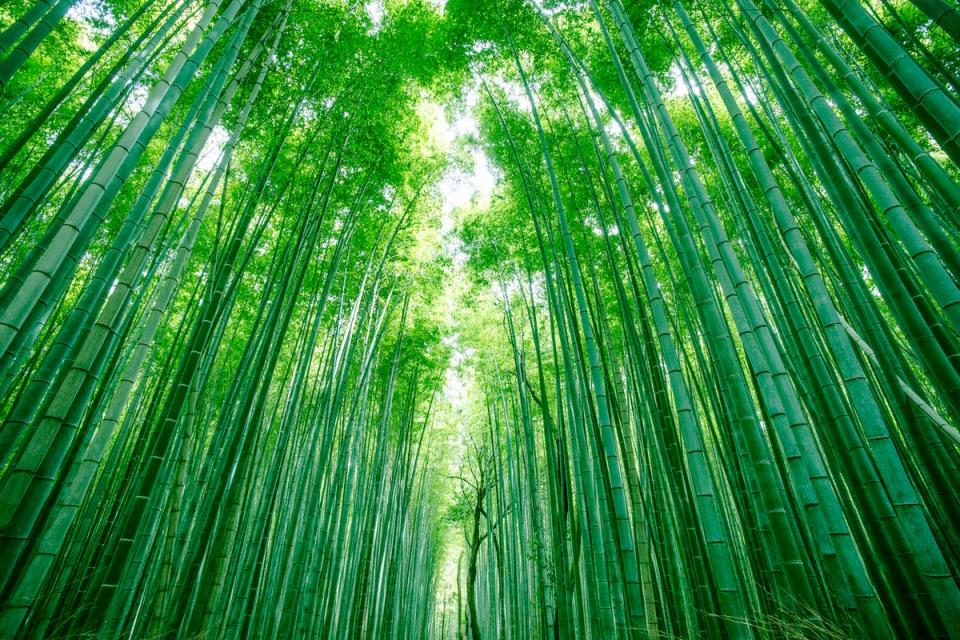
479	319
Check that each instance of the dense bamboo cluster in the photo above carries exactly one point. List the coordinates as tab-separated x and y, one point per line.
225	443
716	425
710	317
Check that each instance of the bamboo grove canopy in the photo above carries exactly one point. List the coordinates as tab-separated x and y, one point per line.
402	319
